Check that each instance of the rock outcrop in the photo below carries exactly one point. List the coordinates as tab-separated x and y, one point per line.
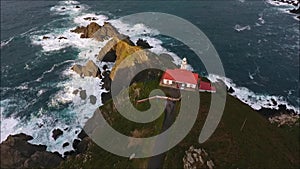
88	31
56	133
285	119
90	69
16	152
196	159
143	44
100	33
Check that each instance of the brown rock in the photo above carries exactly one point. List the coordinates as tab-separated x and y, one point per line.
90	69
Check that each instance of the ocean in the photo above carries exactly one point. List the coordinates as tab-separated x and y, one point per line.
257	42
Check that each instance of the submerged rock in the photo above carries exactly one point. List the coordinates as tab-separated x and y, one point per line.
82	94
93	99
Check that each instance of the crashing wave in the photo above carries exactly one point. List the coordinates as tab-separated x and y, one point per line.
254	100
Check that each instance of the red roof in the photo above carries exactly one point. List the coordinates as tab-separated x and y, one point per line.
206	86
181	75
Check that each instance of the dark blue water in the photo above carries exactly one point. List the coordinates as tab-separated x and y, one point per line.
264	58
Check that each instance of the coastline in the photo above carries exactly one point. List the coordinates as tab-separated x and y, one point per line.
273	106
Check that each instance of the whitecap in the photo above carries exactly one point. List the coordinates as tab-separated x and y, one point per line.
254	100
99	19
6	42
239	28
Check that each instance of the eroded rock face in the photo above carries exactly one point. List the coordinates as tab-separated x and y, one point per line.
90	69
101	33
16	152
88	31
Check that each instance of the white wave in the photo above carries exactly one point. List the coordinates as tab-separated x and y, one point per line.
40	92
26	67
256	101
6	42
68	8
80	20
133	30
239	28
282	4
23	87
52	69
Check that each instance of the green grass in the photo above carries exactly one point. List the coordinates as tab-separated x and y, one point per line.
259	145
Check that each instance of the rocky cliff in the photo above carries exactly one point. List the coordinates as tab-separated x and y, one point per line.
16	152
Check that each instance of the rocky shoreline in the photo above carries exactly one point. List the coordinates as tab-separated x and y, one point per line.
16	152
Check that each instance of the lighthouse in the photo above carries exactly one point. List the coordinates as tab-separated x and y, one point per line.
183	63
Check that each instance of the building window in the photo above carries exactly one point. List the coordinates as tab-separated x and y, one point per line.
170	82
165	81
188	85
182	85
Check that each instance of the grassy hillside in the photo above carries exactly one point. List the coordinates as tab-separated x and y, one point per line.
258	145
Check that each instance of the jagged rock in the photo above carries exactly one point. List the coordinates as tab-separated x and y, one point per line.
56	133
63	8
101	33
82	94
88	31
16	152
143	44
77	6
108	52
90	69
